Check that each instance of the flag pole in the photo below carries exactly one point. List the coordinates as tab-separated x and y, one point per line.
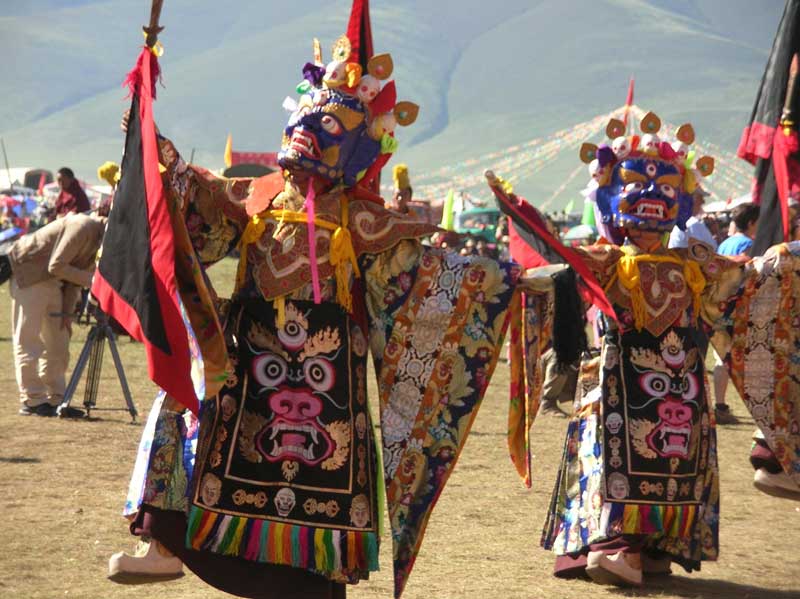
787	114
8	168
153	28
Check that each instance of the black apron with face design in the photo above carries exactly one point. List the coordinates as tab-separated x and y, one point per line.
655	418
286	463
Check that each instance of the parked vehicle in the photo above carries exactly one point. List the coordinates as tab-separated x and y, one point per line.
481	222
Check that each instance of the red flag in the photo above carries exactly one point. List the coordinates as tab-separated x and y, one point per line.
42	183
628	102
135	278
769	141
359	32
521	251
784	147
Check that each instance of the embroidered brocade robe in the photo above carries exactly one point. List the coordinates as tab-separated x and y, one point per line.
640	454
286	461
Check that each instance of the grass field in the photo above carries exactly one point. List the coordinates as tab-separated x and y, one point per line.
65	483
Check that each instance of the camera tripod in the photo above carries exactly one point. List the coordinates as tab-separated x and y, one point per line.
92	356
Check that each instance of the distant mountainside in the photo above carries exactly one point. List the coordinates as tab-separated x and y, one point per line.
486	74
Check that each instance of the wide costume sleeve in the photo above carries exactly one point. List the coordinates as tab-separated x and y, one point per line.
207	221
531	333
437	326
211	207
762	330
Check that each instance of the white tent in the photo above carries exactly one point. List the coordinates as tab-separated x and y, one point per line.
17	176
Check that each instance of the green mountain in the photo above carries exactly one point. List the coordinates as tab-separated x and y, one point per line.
487	75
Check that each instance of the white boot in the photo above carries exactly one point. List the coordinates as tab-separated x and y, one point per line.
620	569
152	562
777	485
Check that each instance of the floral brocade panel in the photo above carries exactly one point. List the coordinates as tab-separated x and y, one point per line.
439	321
764	358
530	331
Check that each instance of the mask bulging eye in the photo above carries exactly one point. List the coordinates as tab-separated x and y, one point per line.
667	190
689	387
292	335
269	370
633	187
319	374
331	125
655	383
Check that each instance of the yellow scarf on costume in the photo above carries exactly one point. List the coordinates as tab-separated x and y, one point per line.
341	250
630	278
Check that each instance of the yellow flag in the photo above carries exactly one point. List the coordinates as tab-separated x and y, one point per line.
229	151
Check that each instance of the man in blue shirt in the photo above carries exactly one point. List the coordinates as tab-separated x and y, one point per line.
745	218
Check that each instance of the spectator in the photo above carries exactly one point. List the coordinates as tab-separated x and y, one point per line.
745	219
48	270
71	197
559	386
695	227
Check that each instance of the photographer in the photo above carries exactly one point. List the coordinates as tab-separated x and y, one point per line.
47	269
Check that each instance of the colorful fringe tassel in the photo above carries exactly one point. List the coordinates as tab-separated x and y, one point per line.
319	549
672	521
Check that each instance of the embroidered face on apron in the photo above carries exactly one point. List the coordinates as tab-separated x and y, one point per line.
294	375
290	438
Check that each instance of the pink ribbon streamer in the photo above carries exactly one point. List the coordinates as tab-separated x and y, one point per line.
311	215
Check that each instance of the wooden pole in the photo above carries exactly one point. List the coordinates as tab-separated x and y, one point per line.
153	29
8	168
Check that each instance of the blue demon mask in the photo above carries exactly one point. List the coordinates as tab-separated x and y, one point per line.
643	182
344	120
327	135
645	193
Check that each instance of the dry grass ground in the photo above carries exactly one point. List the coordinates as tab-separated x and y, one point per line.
64	484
